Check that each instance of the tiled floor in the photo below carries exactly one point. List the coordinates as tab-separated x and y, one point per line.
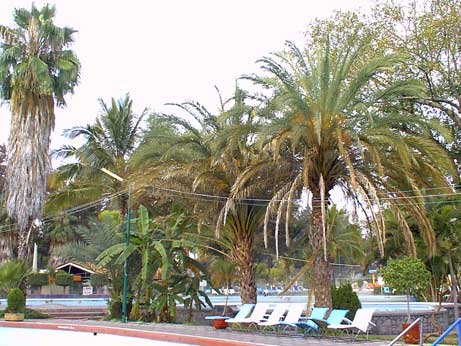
208	331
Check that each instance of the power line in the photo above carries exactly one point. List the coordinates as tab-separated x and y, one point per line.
224	198
70	211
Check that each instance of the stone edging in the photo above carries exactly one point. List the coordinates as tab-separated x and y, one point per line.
171	337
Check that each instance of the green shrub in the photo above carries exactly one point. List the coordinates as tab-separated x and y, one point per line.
344	297
99	280
115	307
64	279
16	301
37	279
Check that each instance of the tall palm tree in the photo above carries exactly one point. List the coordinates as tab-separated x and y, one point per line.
109	143
335	113
36	72
208	157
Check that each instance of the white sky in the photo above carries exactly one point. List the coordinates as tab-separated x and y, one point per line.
168	51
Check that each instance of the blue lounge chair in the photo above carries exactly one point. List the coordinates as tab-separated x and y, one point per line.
309	324
315	324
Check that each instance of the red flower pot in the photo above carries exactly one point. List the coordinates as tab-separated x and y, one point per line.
219	323
412	336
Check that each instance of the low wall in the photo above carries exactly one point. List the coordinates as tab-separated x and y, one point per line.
390	322
387	322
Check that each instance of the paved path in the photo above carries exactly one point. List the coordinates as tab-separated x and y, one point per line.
208	331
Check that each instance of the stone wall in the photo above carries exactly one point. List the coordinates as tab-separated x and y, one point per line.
390	323
387	322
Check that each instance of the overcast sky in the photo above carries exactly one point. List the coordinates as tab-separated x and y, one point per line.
168	51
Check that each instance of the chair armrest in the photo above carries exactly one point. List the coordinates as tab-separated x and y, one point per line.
373	324
348	321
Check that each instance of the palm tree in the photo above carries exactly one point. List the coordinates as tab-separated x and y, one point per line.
210	156
223	272
108	144
335	113
36	72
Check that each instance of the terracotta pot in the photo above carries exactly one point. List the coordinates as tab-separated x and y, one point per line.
219	323
412	336
14	316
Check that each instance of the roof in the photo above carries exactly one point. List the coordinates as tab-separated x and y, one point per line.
80	266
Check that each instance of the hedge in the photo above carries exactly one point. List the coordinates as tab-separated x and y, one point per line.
64	279
99	280
38	279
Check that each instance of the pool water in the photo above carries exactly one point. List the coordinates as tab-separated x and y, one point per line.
46	337
379	303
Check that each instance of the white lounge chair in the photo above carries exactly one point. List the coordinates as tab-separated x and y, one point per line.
360	324
258	314
276	316
294	312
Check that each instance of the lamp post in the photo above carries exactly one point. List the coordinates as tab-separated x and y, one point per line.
127	243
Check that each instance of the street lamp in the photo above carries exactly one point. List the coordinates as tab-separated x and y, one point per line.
127	243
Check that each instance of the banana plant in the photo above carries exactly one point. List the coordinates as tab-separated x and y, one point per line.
166	264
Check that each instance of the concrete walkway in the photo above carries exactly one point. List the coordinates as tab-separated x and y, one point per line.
227	334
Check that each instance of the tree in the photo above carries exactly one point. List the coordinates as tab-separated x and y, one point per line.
223	272
446	219
36	72
429	33
12	275
108	144
335	112
406	275
209	156
164	249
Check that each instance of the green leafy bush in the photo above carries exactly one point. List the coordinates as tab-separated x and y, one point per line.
344	297
64	279
115	307
99	280
16	301
37	279
407	275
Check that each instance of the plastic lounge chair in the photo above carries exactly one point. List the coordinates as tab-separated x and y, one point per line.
360	324
293	315
244	312
258	314
336	317
309	325
276	316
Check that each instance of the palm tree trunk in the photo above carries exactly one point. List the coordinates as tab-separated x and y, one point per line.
22	246
242	252
6	247
29	163
321	267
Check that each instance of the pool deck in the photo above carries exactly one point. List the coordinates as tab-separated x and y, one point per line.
192	334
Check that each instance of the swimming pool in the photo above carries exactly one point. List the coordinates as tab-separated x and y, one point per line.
379	303
42	337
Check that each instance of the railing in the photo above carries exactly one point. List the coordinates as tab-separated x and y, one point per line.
418	320
455	324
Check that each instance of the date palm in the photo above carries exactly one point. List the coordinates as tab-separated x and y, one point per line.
36	72
108	143
208	157
335	114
